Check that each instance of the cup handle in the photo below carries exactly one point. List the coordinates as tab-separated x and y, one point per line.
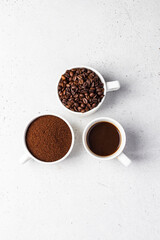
124	159
25	158
112	86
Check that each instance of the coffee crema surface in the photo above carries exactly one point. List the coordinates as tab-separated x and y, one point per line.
48	138
103	138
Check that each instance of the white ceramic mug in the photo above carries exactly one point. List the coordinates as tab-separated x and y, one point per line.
119	153
108	87
28	156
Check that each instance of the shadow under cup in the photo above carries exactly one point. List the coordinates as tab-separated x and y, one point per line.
103	139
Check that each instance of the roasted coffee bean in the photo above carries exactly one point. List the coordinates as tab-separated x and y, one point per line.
92	85
94	105
98	89
73	87
82	105
99	93
95	100
60	84
64	81
76	104
75	109
81	95
91	95
71	74
88	97
89	105
76	95
84	85
73	92
64	100
80	89
76	99
88	82
63	77
92	89
84	91
85	100
74	78
81	81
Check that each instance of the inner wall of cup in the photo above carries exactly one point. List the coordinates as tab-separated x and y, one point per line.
120	134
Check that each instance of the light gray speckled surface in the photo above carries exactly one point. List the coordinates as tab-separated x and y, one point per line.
80	198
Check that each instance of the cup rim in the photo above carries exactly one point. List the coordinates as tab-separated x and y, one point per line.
100	103
116	124
59	160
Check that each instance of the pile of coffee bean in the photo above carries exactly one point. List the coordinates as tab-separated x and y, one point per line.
80	89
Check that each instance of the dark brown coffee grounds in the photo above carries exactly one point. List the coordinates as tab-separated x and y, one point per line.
48	138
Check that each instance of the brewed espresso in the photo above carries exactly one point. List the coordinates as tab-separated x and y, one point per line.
103	138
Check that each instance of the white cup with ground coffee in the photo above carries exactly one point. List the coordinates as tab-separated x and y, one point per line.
104	138
48	139
82	90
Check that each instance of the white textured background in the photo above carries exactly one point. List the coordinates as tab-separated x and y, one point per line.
80	198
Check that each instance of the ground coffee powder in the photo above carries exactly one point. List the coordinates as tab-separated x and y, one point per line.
48	138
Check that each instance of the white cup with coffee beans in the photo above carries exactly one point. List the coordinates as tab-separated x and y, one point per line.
82	90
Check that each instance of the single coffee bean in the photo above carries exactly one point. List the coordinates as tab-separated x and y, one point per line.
81	81
94	105
76	104
73	87
75	95
88	82
61	84
76	99
99	93
85	100
82	111
84	85
91	95
92	89
63	77
71	74
81	95
98	89
75	109
82	105
89	105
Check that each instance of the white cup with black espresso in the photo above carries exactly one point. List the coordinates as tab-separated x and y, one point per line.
104	138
